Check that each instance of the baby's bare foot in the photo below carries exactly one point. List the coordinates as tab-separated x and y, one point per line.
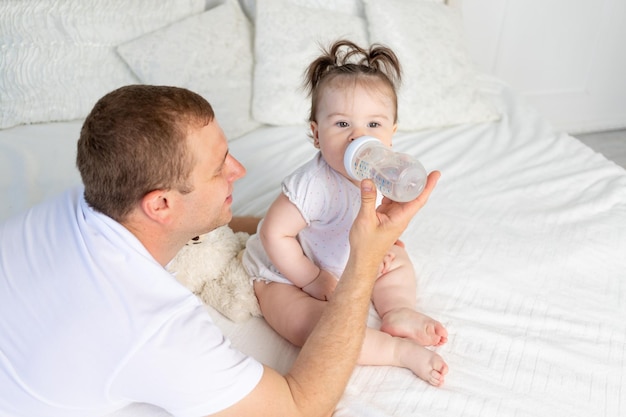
423	362
404	322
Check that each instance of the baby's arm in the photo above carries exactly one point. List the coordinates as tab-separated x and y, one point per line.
322	287
278	233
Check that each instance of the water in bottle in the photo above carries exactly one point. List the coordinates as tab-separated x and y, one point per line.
398	176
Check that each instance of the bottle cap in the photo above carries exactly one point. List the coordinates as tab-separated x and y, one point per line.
351	150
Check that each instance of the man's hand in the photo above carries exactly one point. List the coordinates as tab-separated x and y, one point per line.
375	230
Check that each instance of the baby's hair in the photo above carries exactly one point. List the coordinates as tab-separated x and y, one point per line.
346	59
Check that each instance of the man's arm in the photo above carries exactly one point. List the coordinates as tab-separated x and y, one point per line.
321	371
246	224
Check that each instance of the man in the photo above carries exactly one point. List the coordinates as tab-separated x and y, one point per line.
91	321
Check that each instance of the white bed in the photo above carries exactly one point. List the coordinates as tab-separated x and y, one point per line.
520	252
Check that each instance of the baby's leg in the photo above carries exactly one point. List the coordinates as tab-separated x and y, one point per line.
289	310
380	348
395	300
294	314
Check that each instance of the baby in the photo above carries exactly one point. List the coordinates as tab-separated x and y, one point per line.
302	246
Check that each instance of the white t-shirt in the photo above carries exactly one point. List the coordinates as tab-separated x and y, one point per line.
90	322
329	203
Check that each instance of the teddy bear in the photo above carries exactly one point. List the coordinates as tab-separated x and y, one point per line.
210	266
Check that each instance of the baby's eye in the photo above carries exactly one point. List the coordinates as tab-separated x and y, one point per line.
373	124
342	124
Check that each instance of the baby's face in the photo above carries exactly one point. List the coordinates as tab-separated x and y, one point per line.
345	114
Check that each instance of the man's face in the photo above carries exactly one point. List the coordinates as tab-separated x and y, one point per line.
209	204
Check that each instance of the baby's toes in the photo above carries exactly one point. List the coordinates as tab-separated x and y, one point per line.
440	369
441	334
436	378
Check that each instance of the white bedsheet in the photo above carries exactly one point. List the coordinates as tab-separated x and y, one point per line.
520	252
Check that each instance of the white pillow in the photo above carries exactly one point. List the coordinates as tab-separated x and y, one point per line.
287	39
353	7
211	54
439	82
58	58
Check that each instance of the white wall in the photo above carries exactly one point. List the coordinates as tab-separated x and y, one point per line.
567	57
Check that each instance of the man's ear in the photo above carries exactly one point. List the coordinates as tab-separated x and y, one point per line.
156	205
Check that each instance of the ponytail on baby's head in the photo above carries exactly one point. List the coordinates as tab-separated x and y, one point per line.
347	62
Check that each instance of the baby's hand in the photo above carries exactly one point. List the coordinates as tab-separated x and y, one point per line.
388	259
322	286
386	265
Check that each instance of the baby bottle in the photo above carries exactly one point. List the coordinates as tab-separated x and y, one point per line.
398	176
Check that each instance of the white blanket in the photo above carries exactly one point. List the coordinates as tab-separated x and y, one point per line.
520	252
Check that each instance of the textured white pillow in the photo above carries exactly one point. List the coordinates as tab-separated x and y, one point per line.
353	7
288	37
58	58
211	54
439	84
